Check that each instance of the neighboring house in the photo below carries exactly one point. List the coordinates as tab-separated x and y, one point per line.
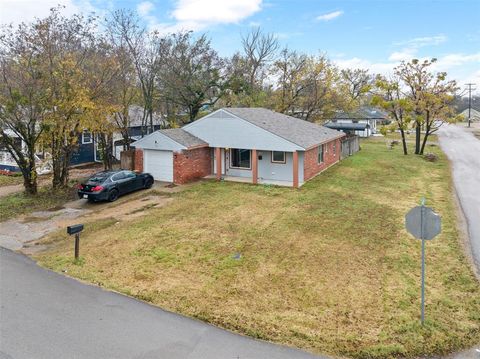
135	114
363	122
474	115
244	144
7	163
86	152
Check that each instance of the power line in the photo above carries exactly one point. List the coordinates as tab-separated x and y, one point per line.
470	89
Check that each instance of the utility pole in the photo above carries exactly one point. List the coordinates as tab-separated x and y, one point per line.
470	89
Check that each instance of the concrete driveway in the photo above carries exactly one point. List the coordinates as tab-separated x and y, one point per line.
46	315
463	149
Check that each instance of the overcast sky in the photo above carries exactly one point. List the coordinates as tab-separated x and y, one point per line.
357	33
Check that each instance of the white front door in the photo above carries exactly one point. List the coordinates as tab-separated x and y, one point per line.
159	164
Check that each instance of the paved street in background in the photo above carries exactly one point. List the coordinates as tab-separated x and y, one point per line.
463	149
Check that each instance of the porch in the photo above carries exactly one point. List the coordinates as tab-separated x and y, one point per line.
258	166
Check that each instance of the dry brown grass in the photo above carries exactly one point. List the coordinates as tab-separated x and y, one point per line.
328	268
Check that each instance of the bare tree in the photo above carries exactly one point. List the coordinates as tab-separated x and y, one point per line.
259	49
124	90
290	70
143	47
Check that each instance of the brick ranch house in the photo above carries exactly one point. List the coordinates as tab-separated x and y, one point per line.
253	145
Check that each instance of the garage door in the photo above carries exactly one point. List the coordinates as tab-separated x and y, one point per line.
159	164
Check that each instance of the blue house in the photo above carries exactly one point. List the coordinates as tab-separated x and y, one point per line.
87	150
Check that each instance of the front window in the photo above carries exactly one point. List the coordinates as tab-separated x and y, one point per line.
240	158
320	153
278	157
334	148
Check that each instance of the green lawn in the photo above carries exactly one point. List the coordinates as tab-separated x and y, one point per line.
327	268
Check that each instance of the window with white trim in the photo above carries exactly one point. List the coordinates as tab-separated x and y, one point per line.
334	148
278	157
86	137
321	150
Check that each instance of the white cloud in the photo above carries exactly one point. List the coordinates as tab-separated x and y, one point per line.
200	14
412	46
419	42
452	60
329	16
459	66
205	12
373	67
144	8
17	11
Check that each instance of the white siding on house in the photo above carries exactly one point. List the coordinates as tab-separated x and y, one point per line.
221	129
275	171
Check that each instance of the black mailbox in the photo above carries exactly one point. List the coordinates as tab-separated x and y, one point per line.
76	228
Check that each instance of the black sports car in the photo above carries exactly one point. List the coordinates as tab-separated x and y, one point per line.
109	185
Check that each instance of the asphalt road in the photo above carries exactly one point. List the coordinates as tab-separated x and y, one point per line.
463	149
46	315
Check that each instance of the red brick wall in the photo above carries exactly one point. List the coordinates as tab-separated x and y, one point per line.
138	160
311	167
192	164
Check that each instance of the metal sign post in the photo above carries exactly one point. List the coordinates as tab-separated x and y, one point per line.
423	223
422	237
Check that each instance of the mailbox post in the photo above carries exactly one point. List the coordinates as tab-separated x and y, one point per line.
76	229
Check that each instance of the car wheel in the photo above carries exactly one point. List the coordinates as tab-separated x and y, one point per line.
148	183
113	195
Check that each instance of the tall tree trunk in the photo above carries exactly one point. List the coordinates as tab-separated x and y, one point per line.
404	142
427	132
425	138
29	173
61	169
107	151
418	136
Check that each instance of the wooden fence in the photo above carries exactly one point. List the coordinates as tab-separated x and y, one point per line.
350	145
127	160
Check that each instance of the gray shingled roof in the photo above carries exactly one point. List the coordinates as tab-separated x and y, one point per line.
303	133
135	114
183	137
364	113
347	126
